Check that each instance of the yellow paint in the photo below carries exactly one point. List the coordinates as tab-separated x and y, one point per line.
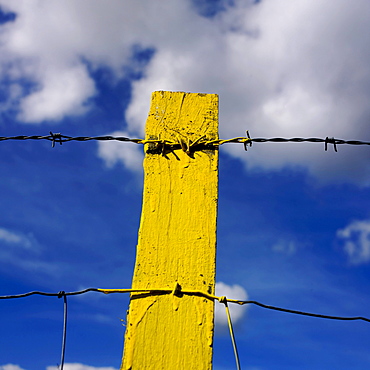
177	238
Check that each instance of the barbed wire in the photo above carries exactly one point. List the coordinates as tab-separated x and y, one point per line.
189	146
178	291
36	292
196	144
187	292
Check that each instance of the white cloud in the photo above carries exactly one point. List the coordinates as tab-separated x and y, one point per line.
281	68
237	312
356	241
76	366
10	367
61	92
49	44
130	154
278	74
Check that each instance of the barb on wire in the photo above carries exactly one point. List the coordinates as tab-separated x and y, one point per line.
63	138
54	138
327	141
330	141
199	143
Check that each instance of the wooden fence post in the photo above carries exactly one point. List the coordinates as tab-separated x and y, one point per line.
177	237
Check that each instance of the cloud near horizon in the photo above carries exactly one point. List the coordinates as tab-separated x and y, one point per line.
10	367
281	68
77	366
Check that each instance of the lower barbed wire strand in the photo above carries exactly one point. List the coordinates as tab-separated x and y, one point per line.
35	292
188	292
296	312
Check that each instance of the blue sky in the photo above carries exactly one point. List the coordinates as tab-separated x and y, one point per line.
293	222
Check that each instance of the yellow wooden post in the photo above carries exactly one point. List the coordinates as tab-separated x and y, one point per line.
177	237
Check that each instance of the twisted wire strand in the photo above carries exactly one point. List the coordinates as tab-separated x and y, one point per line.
310	139
59	138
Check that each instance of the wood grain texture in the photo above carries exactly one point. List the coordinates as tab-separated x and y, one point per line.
177	239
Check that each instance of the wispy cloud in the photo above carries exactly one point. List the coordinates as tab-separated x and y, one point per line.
18	239
288	247
356	241
23	252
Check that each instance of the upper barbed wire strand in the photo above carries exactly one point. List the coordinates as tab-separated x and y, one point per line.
59	138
